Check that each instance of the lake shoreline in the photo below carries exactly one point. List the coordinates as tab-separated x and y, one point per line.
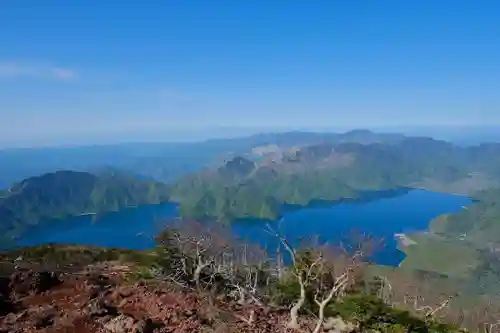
404	240
392	215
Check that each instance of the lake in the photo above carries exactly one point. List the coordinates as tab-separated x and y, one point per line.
381	216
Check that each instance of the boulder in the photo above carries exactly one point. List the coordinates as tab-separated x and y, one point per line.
23	282
120	324
338	325
43	281
143	326
43	316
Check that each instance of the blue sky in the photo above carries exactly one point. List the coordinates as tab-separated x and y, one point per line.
95	70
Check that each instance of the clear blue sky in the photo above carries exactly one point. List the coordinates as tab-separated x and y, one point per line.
93	69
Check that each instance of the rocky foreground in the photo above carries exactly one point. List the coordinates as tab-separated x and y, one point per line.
98	299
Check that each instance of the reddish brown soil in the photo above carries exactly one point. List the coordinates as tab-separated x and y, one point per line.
101	301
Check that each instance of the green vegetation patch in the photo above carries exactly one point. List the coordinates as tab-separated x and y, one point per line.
63	194
333	171
437	254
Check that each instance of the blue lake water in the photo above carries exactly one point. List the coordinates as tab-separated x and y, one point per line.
379	216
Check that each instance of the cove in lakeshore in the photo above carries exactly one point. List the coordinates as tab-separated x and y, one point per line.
380	215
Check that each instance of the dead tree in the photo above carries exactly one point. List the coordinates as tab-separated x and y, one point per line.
302	273
483	317
417	295
326	270
208	258
199	248
245	269
336	272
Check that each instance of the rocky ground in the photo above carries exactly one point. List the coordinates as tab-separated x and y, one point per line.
98	299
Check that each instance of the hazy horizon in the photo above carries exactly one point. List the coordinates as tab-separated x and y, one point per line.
469	134
83	72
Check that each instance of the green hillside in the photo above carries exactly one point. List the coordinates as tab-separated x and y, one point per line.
478	223
331	171
69	193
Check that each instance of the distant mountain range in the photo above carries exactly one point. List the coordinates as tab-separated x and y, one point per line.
162	161
123	175
236	178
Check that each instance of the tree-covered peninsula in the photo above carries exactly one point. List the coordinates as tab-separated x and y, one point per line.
70	193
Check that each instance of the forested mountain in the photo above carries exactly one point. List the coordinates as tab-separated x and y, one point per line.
478	223
334	170
70	193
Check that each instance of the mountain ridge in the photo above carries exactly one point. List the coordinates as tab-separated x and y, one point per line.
163	161
331	171
66	193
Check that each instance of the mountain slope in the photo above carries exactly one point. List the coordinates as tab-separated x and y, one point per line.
332	171
70	193
478	223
